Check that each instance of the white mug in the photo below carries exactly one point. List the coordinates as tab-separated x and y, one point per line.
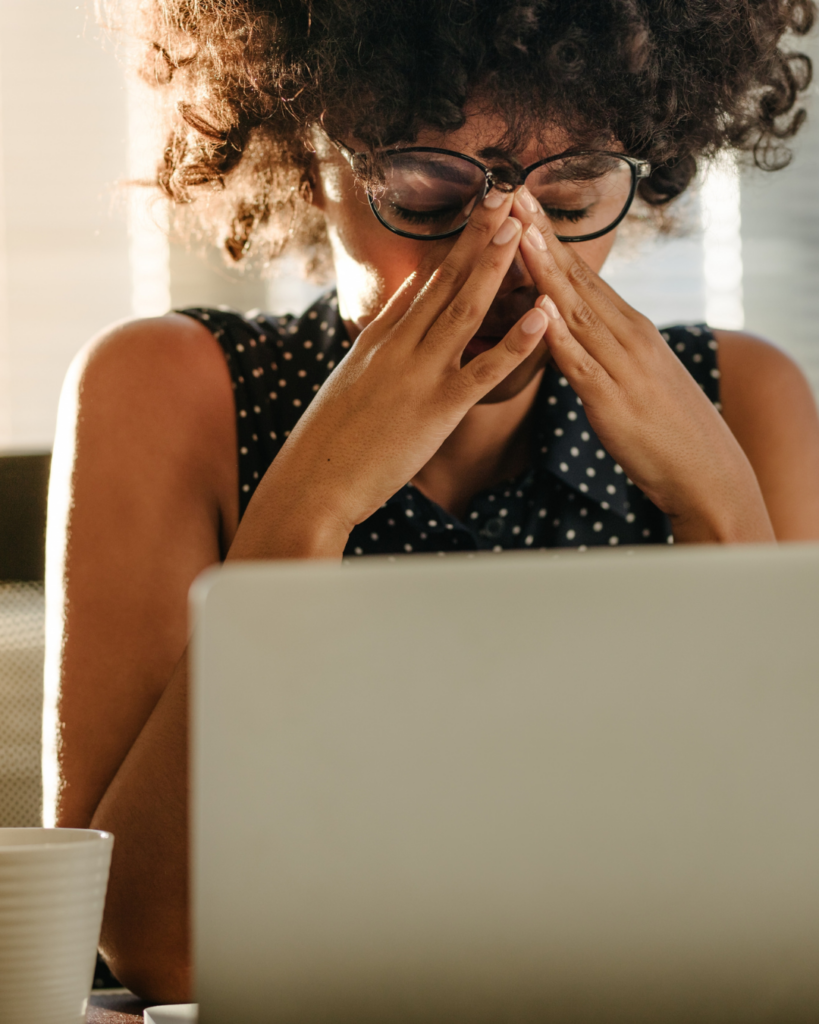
52	894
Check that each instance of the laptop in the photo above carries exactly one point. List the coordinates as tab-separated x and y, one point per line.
556	787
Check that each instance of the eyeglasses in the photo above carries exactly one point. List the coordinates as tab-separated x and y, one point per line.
429	193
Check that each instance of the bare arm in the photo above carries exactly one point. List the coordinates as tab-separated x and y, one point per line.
143	498
769	407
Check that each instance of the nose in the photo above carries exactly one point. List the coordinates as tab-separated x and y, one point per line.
517	278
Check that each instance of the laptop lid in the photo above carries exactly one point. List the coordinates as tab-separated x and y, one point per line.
508	788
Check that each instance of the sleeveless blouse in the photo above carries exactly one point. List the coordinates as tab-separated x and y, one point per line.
573	494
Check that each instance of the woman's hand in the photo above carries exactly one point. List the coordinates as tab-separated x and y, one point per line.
393	400
647	410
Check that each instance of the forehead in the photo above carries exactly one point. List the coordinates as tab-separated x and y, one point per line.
486	136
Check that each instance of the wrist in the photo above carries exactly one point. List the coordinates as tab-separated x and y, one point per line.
296	528
738	520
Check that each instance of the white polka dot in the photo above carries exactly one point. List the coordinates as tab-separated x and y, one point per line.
605	505
273	434
618	469
288	355
319	356
273	395
240	348
597	527
302	373
697	357
571	414
630	517
614	541
449	526
529	540
503	511
669	540
715	373
542	513
584	436
473	515
583	487
558	431
242	413
574	451
497	548
590	471
433	522
564	467
516	530
680	346
358	551
308	344
600	453
552	400
243	451
563	382
611	489
646	533
408	513
297	403
408	547
570	535
373	536
312	315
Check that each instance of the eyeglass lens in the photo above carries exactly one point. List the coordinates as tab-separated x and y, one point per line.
433	194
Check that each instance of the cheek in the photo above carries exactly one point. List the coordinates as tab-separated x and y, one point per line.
595	252
371	262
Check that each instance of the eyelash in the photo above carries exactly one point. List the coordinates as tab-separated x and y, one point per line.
417	217
572	216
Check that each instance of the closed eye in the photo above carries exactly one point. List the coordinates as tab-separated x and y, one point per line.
571	216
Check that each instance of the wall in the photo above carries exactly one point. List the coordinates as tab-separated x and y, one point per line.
68	266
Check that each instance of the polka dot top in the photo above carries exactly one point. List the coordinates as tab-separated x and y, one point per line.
573	495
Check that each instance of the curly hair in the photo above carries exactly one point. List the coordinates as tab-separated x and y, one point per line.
675	81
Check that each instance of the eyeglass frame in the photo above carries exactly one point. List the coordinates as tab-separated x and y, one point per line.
640	169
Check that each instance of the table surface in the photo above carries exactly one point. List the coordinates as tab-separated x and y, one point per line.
115	1006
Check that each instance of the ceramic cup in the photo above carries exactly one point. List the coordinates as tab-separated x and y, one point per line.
52	893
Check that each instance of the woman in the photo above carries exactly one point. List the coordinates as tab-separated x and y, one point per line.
473	385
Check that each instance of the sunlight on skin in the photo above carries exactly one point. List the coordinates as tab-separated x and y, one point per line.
372	262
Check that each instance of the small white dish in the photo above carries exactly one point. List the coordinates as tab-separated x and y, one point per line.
172	1014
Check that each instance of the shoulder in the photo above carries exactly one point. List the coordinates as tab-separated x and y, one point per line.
752	366
152	399
768	404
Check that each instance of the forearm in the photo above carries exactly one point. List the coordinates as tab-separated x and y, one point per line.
146	928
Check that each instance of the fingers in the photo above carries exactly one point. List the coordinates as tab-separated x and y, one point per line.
465	311
581	313
585	374
402	299
448	278
485	371
588	285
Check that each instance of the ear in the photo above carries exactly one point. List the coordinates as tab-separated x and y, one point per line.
313	178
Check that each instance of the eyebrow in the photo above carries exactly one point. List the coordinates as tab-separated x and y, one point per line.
493	153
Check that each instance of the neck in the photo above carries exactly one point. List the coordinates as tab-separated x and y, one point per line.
489	445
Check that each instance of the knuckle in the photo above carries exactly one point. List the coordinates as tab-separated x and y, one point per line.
461	312
479	226
577	275
582	316
448	275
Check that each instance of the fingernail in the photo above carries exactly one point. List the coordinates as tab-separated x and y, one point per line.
548	307
494	199
535	237
528	200
507	231
535	322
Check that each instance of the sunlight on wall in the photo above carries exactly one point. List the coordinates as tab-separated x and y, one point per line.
148	246
722	246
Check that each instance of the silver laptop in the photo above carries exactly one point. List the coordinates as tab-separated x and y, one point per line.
509	788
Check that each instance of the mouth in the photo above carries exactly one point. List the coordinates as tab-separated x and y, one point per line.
481	343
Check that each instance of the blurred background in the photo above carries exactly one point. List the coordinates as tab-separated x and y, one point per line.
78	252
